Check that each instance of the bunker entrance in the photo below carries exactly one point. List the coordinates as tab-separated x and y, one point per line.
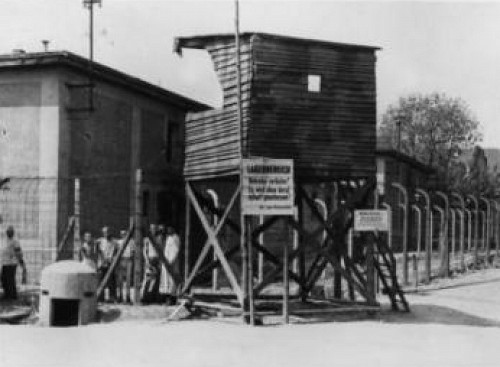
65	312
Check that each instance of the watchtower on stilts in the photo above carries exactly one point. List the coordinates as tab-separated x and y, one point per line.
306	100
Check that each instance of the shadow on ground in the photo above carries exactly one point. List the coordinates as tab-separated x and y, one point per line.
433	314
420	314
108	314
427	289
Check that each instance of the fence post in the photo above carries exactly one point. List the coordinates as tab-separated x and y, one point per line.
453	235
476	229
404	206
487	231
444	247
462	228
428	229
76	216
138	237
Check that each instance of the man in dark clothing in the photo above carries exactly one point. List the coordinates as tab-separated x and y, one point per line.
11	255
107	249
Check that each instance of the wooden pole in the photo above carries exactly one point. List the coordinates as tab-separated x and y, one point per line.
115	262
286	285
453	233
301	255
76	216
260	275
244	267
65	237
250	271
496	224
337	274
138	238
187	234
296	239
370	253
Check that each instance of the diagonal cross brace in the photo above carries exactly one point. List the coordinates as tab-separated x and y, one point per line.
115	261
212	241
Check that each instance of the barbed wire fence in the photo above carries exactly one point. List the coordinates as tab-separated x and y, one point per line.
50	215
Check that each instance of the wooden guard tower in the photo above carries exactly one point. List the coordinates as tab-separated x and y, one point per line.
307	100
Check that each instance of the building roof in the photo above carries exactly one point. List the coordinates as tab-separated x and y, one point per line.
78	63
200	41
384	148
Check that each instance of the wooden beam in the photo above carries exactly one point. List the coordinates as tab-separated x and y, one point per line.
187	236
212	237
114	263
67	232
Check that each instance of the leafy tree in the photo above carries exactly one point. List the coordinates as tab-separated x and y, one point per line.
435	129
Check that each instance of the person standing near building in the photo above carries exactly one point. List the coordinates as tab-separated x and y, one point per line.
168	285
11	255
126	270
161	236
107	249
88	252
150	285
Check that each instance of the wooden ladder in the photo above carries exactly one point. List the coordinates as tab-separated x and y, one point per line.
384	264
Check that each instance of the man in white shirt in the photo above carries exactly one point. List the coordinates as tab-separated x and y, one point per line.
168	285
152	267
126	269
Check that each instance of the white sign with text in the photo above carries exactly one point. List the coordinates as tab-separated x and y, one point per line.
268	187
371	220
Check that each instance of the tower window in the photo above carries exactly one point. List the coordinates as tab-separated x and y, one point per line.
314	83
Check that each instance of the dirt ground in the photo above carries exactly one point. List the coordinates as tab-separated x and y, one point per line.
452	323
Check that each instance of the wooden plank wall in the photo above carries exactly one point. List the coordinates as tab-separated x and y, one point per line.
212	137
330	134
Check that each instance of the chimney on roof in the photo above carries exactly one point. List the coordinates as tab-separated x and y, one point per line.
45	44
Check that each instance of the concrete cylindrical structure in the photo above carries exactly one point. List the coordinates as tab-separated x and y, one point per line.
68	294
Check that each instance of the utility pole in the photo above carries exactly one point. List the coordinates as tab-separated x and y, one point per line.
245	237
89	4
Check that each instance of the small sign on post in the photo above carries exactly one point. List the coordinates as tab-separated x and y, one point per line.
371	220
268	187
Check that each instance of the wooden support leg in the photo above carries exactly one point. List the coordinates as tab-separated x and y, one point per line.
337	280
370	269
213	241
187	238
244	269
286	286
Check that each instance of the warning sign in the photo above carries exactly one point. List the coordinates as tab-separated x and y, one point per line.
371	220
268	187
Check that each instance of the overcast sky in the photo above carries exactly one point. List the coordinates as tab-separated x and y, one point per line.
446	47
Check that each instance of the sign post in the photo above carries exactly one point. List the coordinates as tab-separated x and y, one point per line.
267	190
268	187
371	221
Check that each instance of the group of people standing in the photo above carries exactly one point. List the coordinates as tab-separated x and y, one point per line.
158	284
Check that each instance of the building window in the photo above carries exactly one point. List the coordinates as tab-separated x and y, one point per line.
314	83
